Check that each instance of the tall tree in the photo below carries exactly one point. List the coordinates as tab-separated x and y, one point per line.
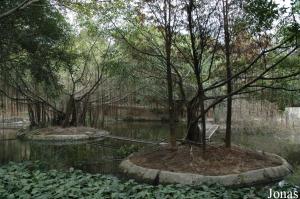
156	23
228	72
168	38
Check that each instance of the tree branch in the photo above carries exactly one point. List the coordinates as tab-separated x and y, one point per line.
21	6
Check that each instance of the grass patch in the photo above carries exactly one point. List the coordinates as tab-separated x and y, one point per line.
126	150
295	178
33	180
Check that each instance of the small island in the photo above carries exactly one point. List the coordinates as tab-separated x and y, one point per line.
57	133
219	165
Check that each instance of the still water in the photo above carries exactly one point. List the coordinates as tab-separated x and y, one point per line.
103	156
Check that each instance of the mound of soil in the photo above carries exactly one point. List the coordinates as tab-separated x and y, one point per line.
217	160
57	133
56	130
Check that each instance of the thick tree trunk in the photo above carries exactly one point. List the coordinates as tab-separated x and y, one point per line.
36	114
75	106
31	116
193	131
69	112
82	115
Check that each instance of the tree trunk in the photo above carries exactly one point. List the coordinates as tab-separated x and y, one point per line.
168	47
228	74
198	100
38	113
203	122
193	133
75	106
43	115
31	116
69	111
171	106
82	115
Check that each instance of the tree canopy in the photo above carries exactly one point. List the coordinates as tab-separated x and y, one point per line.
187	56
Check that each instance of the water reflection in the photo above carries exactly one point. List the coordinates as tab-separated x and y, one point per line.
92	156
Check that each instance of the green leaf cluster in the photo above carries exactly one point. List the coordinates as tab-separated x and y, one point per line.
261	14
126	150
32	45
29	180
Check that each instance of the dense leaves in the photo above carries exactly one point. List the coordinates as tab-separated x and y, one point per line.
31	45
261	13
28	180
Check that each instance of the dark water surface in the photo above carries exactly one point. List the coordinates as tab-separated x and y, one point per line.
103	156
97	156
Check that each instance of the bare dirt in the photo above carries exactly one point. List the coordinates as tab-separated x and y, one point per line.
217	160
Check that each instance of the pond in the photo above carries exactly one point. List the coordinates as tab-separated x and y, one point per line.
104	156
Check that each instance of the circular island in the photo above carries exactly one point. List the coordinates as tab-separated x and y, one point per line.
218	165
62	134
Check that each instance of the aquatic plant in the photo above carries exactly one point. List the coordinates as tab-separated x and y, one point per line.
126	150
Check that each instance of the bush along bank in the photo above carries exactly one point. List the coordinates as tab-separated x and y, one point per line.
32	180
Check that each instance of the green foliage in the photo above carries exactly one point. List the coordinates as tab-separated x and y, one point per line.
32	46
261	14
295	177
29	180
287	95
126	150
296	6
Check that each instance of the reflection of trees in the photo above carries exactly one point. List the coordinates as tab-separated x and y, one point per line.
64	156
147	131
14	150
100	156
